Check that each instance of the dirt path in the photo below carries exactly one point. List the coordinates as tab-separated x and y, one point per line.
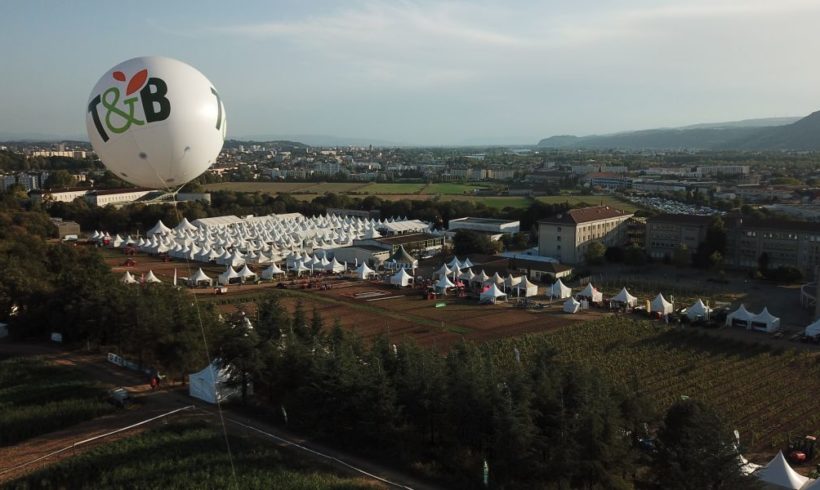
152	403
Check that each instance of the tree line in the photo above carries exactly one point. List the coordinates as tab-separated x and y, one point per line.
537	422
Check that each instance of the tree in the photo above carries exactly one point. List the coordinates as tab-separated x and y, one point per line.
634	255
614	254
763	263
466	242
59	179
696	450
595	253
681	256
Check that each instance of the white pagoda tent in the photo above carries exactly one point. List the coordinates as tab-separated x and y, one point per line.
591	293
525	288
454	263
660	305
740	317
559	290
813	329
625	298
271	271
199	278
226	277
364	272
779	474
212	384
158	229
127	278
443	271
491	294
401	278
185	225
481	277
334	266
246	274
698	310
151	278
467	275
571	305
765	321
444	283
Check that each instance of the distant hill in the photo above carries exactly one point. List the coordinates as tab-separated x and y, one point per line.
782	133
321	140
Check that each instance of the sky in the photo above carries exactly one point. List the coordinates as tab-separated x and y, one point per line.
426	73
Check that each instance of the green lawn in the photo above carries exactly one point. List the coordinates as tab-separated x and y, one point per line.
37	397
185	455
452	188
264	187
498	202
612	201
335	187
399	188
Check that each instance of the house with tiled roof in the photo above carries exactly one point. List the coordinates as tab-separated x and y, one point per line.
566	236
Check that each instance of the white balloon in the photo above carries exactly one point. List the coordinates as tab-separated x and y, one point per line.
155	122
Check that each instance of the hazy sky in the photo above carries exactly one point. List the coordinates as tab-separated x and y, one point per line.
426	72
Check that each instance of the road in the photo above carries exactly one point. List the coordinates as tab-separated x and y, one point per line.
152	403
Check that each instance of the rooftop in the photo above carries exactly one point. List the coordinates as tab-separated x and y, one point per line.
401	239
483	221
584	215
688	219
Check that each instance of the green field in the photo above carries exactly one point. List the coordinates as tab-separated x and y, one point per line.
186	455
591	200
37	398
497	202
451	188
401	188
263	187
766	393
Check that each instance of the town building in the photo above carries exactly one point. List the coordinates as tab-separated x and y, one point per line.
607	180
785	243
539	270
666	232
115	196
566	236
67	195
66	228
495	228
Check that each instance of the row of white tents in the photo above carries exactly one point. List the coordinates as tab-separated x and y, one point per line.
520	285
257	240
763	321
590	294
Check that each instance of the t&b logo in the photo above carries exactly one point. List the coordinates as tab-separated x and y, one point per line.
121	115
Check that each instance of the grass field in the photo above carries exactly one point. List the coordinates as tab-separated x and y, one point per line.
37	398
186	455
498	202
766	393
400	188
591	200
451	188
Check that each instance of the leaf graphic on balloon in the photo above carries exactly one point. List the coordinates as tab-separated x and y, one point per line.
118	75
136	82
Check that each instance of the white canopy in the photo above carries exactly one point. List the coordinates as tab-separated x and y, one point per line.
401	278
271	271
185	225
454	263
212	383
779	474
246	273
740	317
491	294
444	282
571	305
481	277
590	292
334	266
813	329
698	310
497	278
525	287
765	321
158	229
199	277
624	297
467	275
443	270
363	271
150	277
660	305
225	277
127	278
560	291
